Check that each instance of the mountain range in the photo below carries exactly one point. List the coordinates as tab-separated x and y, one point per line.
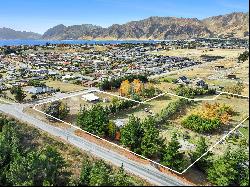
159	28
10	34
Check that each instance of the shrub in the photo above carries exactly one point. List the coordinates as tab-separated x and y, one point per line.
201	125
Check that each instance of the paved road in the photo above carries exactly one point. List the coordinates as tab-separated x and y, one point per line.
144	171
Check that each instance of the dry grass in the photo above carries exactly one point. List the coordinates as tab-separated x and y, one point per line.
65	87
196	53
240	107
155	105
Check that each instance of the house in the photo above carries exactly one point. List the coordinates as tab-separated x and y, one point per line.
53	73
200	83
90	97
120	122
68	77
231	76
90	83
38	89
3	87
219	67
182	80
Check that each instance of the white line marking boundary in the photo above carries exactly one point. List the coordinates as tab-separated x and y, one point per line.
195	99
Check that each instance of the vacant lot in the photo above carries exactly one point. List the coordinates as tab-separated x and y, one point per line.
240	107
144	110
64	87
76	102
209	74
196	53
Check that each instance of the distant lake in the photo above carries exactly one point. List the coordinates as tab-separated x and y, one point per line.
43	42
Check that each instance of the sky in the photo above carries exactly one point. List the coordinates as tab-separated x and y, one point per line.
40	15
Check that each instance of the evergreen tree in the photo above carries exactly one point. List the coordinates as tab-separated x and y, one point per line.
230	169
37	167
18	93
201	148
100	174
85	172
151	143
132	133
121	178
171	155
57	109
94	120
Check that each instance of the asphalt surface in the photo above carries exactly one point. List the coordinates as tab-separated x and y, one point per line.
148	172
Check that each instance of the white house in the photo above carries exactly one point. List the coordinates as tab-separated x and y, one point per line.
38	90
90	97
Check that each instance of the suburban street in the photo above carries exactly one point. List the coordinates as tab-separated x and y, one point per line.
147	172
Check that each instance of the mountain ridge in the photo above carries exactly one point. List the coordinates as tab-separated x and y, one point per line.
156	27
9	34
234	24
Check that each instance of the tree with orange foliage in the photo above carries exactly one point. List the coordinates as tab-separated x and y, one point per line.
211	111
224	118
125	88
137	86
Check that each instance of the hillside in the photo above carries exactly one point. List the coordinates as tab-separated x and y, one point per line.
10	34
158	28
235	23
61	32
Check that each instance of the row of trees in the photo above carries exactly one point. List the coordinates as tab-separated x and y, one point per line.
143	137
116	83
171	110
36	83
191	92
138	88
22	164
119	105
